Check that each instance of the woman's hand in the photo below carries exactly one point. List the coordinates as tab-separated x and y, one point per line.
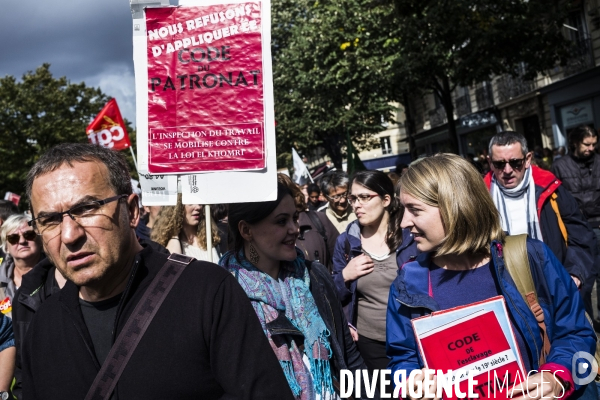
357	267
419	382
353	333
543	385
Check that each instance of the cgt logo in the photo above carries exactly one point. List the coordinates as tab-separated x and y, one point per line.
6	305
108	129
584	367
107	137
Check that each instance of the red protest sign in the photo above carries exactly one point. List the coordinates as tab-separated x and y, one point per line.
108	128
476	339
205	88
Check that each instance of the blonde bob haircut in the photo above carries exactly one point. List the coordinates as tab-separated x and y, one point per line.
469	216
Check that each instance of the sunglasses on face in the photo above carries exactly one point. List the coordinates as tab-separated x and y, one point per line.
13	238
514	163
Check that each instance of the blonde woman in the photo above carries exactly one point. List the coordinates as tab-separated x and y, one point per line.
455	223
182	229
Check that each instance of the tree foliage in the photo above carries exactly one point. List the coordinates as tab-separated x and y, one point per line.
441	44
39	112
338	64
331	75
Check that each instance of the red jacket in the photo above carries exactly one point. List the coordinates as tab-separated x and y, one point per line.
578	254
542	178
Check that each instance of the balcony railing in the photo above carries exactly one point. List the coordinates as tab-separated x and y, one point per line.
463	105
437	117
510	87
485	97
581	58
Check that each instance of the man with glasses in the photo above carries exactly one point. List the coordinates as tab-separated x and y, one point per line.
334	186
203	342
533	201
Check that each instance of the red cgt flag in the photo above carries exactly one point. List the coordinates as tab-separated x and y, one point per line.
15	198
108	128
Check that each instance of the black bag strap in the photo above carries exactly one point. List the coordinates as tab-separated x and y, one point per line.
318	224
314	218
136	326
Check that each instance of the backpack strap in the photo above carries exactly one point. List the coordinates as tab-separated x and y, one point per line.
517	265
136	326
561	224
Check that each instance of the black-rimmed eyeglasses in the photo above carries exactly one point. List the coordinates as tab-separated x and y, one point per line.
338	197
80	213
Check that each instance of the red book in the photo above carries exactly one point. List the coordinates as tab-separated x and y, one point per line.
476	337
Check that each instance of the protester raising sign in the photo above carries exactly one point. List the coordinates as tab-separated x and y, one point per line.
108	128
206	109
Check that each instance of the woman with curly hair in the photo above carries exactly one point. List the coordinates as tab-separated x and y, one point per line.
182	229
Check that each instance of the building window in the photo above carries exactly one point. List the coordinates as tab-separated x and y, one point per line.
437	101
462	101
386	145
384	123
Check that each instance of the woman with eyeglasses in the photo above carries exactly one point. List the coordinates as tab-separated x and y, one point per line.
182	229
294	299
366	260
23	248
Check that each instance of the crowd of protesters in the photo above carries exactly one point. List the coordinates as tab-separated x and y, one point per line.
103	298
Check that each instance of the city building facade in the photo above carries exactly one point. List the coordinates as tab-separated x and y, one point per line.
544	110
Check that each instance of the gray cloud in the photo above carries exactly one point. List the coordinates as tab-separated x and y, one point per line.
84	40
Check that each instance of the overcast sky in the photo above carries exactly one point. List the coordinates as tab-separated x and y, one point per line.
84	40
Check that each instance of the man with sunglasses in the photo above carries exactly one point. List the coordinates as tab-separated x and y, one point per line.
334	186
533	201
204	340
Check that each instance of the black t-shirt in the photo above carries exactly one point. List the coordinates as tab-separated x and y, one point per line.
99	318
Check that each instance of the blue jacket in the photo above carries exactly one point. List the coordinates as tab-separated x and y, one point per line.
567	327
347	295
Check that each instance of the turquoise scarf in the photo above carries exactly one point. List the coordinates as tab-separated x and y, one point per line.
291	295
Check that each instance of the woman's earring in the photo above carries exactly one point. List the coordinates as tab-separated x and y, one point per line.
253	256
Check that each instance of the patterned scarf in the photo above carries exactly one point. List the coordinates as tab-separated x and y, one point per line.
289	294
526	188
